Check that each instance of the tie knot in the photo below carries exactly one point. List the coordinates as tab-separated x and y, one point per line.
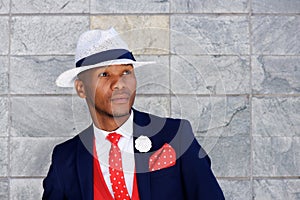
113	138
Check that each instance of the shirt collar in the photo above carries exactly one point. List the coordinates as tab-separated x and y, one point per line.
125	130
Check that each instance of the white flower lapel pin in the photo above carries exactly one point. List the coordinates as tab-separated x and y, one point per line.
143	144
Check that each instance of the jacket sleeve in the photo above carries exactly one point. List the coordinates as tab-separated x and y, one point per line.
53	189
198	178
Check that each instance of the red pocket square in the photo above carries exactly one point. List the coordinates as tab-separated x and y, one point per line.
162	158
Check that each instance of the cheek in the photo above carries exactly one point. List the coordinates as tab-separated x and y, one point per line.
102	93
132	84
99	92
133	87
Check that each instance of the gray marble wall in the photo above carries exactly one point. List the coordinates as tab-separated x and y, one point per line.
230	67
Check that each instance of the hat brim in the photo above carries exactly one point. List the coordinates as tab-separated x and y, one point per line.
67	78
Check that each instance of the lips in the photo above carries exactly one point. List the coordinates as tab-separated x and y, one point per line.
120	98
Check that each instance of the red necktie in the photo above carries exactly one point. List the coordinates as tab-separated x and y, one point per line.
115	169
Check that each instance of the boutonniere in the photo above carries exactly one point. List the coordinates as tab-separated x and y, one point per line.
143	144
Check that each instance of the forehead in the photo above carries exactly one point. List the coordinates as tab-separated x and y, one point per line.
116	67
105	68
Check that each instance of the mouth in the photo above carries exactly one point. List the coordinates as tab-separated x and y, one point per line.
120	99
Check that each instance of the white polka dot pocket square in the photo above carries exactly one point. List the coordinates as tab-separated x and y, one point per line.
163	158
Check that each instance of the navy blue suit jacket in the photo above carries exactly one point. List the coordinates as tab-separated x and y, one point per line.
71	173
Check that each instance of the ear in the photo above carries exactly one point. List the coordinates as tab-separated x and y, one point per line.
79	86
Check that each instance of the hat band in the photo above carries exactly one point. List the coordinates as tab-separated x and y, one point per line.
113	54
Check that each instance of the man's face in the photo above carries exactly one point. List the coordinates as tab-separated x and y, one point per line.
110	91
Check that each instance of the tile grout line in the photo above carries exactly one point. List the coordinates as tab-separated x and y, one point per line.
161	94
169	59
170	68
89	13
250	102
9	101
169	54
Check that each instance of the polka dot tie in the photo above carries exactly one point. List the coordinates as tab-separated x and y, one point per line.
115	169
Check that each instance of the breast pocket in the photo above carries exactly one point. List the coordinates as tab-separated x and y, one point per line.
172	171
167	184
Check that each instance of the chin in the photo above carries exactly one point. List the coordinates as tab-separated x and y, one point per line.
121	112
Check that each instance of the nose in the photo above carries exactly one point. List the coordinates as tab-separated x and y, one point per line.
118	83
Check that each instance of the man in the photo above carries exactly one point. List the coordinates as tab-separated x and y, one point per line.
124	154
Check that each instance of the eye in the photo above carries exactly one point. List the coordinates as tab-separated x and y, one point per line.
126	72
103	74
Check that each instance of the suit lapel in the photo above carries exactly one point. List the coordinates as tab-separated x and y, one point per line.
140	121
85	163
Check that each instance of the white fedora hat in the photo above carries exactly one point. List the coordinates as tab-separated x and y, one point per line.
98	48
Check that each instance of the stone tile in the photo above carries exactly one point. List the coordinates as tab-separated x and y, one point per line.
31	156
3	158
48	116
230	156
144	34
42	70
40	35
276	117
129	6
213	116
276	35
154	78
236	189
80	113
4	189
210	75
198	34
276	189
157	105
276	75
30	189
4	34
4	104
276	6
276	156
50	6
4	9
209	6
3	75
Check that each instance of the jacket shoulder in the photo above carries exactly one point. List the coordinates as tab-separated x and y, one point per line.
162	130
148	118
64	151
67	149
68	144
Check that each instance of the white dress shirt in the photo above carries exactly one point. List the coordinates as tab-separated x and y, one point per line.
126	146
